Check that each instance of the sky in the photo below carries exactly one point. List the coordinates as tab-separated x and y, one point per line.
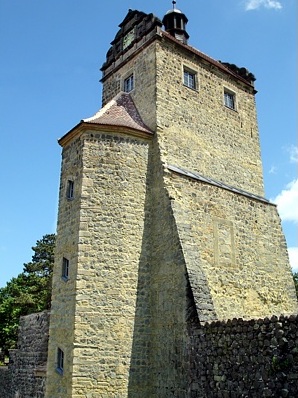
51	53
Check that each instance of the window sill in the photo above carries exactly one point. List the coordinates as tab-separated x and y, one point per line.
231	109
128	92
190	88
59	371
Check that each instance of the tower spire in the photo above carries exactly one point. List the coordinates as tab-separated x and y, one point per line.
175	23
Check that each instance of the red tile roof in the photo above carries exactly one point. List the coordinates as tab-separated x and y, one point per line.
120	111
119	115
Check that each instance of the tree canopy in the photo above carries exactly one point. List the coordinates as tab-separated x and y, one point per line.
27	293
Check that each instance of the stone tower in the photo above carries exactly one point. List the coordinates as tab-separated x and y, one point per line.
162	217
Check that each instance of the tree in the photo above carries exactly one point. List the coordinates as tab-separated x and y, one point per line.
295	277
29	292
39	272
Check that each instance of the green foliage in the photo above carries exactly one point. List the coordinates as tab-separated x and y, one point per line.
29	292
295	277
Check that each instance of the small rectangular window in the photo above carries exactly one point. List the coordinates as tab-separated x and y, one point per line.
189	79
60	361
229	99
70	189
128	84
65	268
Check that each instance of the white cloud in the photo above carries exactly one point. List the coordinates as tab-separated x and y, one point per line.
293	256
255	4
293	154
273	170
287	202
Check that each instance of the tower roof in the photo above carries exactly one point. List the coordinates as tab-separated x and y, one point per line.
118	115
175	22
120	111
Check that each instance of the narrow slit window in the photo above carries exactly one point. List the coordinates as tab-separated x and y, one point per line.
189	79
70	189
229	99
60	361
65	268
128	84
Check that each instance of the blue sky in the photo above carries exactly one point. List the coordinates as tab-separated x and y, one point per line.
51	52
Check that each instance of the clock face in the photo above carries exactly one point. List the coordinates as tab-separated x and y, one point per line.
128	38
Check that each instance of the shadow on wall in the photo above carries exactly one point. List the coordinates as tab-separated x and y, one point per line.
160	358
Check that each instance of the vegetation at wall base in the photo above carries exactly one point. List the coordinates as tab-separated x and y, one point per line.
27	293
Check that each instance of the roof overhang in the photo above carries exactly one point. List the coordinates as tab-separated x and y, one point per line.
82	127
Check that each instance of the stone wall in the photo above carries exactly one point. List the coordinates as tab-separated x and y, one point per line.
63	290
5	381
196	130
169	301
232	359
236	242
102	235
143	68
255	358
25	375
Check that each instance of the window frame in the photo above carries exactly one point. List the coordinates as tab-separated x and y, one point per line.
70	189
130	79
190	73
229	99
65	269
60	361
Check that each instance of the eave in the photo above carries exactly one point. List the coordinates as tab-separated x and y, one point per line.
82	127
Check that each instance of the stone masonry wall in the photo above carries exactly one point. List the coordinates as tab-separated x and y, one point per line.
196	131
232	359
143	68
63	290
25	375
103	238
5	381
111	251
237	242
255	358
169	301
113	213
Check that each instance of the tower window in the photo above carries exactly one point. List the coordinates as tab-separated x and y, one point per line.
65	269
189	78
128	84
60	361
229	99
70	189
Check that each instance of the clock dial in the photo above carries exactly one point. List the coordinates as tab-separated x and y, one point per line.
128	38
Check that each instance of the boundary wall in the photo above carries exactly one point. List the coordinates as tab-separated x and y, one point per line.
25	375
256	358
232	359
